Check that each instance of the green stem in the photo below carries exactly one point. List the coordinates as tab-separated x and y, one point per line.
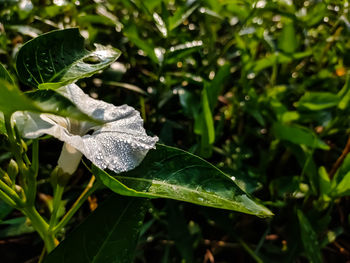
11	194
57	198
14	146
41	226
35	157
90	188
7	199
250	251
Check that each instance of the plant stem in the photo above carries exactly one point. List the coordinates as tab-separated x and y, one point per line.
14	147
7	199
11	194
57	198
41	226
90	188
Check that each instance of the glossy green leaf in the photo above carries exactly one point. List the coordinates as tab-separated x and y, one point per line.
42	101
109	234
57	58
309	239
318	101
298	135
169	172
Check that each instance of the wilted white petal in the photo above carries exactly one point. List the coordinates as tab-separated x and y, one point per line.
119	144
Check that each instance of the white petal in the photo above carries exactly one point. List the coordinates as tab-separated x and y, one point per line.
119	145
34	125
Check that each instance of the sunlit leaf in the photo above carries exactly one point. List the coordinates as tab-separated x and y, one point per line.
58	58
168	172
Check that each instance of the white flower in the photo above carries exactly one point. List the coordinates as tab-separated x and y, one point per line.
119	144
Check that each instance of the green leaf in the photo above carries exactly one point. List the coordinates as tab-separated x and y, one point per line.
147	46
180	16
287	41
160	24
169	172
109	234
309	239
58	58
298	135
325	183
15	227
343	187
344	95
318	101
41	101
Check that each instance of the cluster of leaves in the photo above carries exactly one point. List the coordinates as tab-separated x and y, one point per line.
259	88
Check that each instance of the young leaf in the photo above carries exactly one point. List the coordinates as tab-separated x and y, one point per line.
169	172
110	234
58	58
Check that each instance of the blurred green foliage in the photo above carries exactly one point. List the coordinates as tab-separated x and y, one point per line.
259	88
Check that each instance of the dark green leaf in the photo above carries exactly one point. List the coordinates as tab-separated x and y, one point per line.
309	239
168	172
57	58
110	234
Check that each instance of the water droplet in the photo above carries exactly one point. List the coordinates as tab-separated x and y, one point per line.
92	59
200	199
